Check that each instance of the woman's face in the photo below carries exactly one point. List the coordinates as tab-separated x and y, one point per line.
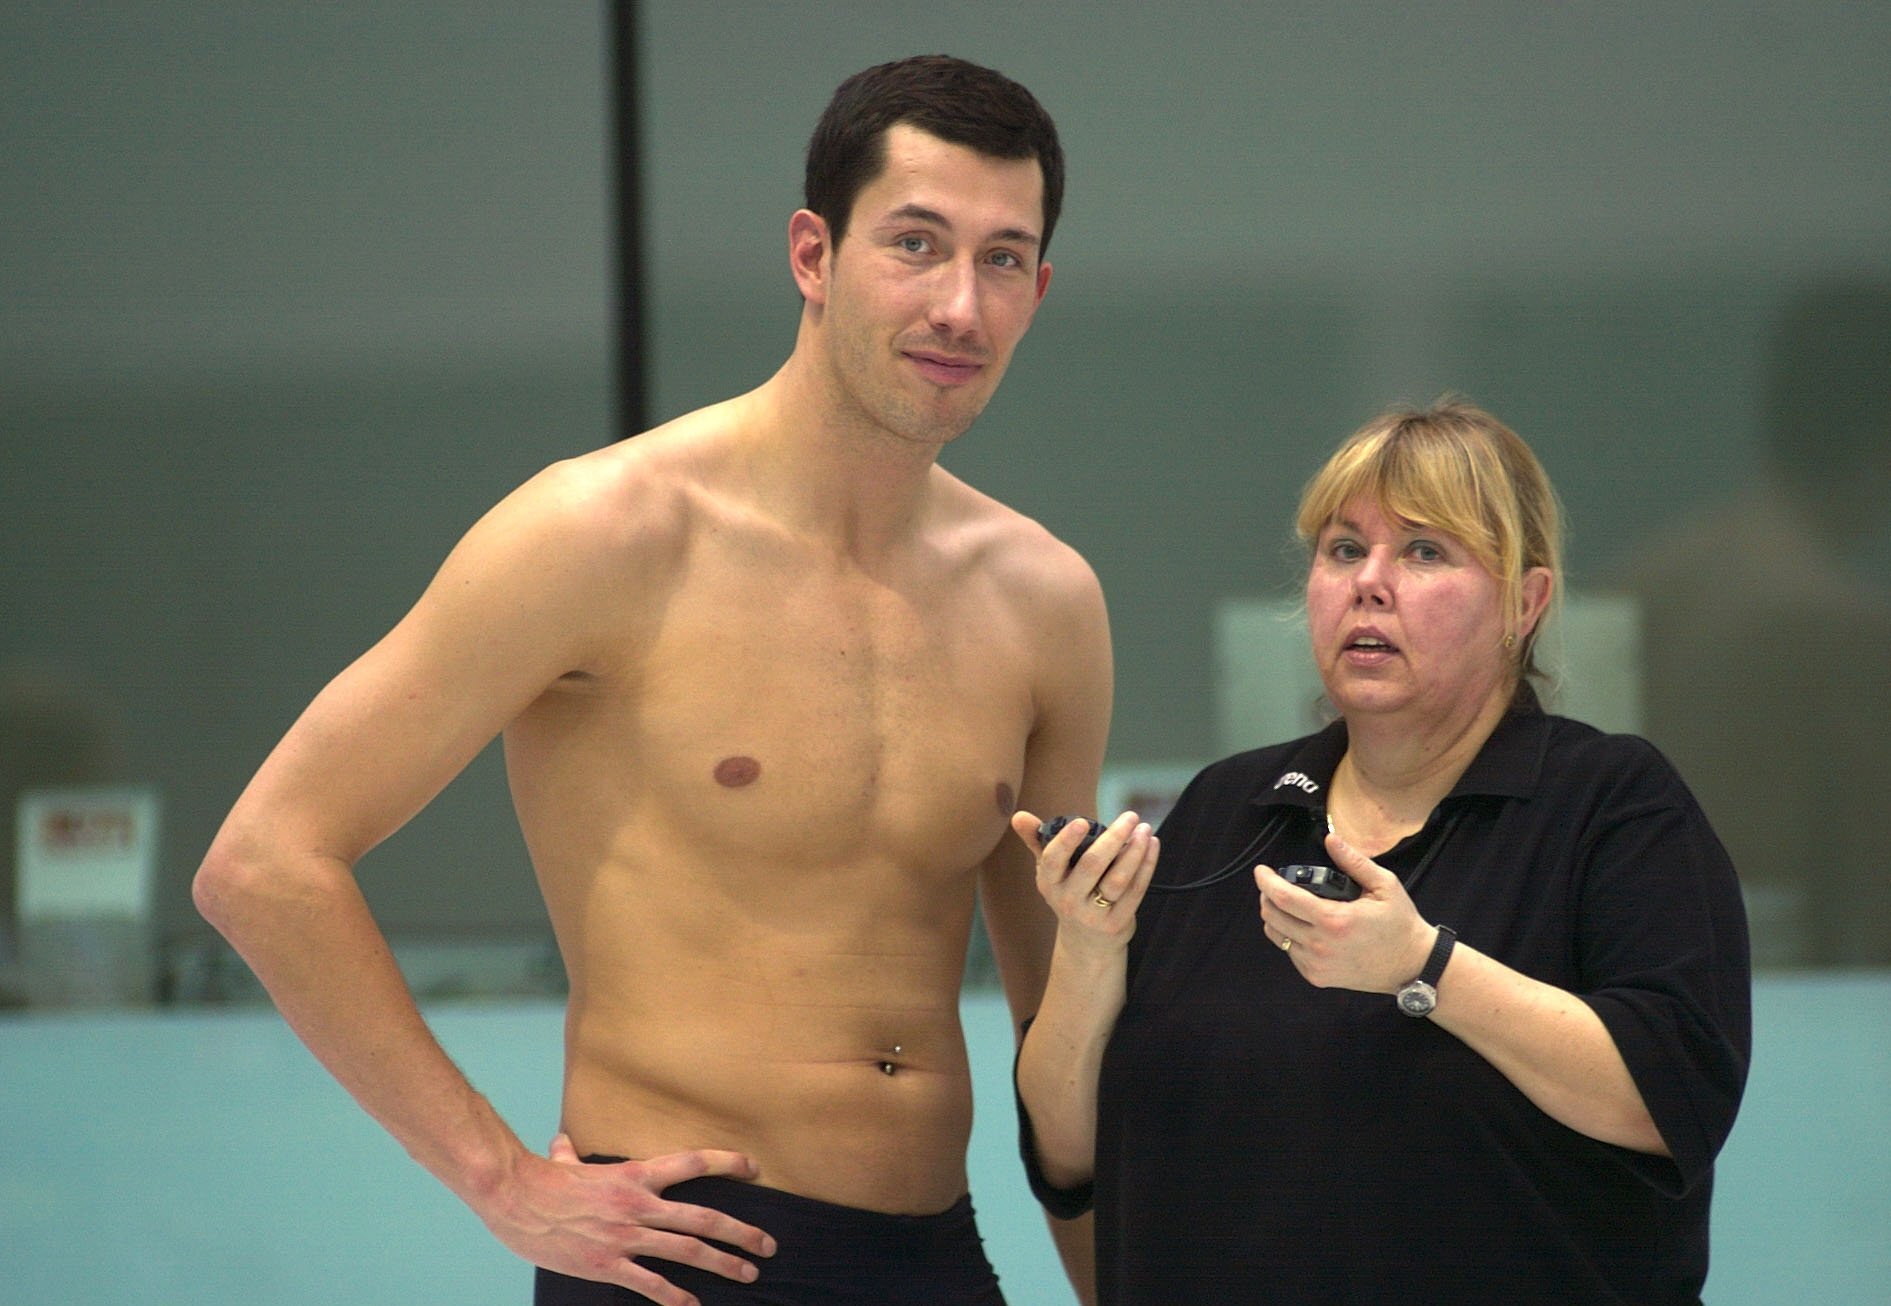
1404	618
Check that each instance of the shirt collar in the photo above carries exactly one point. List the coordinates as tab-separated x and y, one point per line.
1509	765
1303	780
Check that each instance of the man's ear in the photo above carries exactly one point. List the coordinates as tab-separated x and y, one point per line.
1043	280
808	254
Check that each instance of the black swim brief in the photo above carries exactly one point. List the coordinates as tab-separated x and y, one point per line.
826	1255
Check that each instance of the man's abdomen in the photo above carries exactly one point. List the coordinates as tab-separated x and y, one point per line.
849	1092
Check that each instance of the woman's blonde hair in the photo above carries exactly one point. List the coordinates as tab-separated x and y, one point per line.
1453	468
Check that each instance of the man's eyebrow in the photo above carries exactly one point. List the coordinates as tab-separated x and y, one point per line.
1016	236
916	213
920	213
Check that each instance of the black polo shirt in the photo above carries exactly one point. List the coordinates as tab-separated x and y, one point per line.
1264	1141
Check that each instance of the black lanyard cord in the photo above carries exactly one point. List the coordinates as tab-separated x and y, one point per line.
1278	822
1242	859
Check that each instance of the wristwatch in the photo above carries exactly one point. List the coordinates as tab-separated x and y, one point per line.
1417	997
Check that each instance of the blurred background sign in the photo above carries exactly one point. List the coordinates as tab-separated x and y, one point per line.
86	859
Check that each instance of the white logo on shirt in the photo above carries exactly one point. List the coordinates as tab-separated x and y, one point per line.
1298	780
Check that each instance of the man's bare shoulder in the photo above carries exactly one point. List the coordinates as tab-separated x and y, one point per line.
1017	551
638	496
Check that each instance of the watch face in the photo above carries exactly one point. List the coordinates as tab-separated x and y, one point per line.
1417	998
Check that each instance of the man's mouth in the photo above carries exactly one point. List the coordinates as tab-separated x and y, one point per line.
944	369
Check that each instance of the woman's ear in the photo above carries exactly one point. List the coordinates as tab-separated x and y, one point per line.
1539	585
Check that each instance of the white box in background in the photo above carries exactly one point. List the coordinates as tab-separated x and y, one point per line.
86	860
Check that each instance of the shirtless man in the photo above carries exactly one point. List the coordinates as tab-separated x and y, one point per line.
771	683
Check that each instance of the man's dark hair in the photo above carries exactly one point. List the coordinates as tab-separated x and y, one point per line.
959	102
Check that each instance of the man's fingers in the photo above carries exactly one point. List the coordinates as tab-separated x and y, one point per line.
706	1222
681	1250
629	1274
701	1221
562	1151
675	1167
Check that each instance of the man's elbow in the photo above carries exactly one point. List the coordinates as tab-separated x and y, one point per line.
221	884
238	881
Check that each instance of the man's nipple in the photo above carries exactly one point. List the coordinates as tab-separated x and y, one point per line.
734	772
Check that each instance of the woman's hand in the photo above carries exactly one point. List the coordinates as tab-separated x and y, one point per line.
1373	944
1545	1040
1095	899
1096	896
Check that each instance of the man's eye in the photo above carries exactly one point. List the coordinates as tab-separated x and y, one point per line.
914	244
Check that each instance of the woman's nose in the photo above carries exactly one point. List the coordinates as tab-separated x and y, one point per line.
1372	580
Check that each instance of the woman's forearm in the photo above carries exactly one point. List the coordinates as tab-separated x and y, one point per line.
1062	1057
1550	1044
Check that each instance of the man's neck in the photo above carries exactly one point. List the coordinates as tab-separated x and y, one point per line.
828	475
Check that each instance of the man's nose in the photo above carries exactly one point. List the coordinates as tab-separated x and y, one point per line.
954	308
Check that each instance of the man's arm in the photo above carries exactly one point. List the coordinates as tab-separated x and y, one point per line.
510	612
1063	763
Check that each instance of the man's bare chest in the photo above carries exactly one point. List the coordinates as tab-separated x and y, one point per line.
897	718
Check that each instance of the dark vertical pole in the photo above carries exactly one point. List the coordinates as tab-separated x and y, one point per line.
627	178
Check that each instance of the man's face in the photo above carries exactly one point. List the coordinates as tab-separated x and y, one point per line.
934	285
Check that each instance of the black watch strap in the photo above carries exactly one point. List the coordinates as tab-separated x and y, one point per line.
1440	954
1419	997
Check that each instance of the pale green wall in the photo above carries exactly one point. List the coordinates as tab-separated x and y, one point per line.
293	294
